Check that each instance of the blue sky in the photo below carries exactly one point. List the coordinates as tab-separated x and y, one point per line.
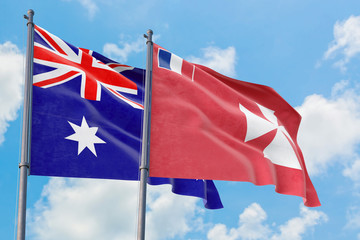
307	51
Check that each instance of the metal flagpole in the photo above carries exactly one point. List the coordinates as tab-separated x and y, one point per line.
25	144
145	152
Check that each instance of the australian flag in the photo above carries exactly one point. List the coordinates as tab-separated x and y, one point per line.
87	116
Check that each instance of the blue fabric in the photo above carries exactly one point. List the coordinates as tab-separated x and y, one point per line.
164	59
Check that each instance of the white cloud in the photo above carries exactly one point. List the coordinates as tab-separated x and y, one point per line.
107	209
169	215
11	82
252	226
330	128
298	226
221	60
85	209
90	6
114	52
353	218
353	172
251	223
220	232
346	41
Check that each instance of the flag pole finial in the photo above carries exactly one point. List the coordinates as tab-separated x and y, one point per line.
30	15
31	12
149	36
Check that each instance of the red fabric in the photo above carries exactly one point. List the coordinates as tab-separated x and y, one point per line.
198	131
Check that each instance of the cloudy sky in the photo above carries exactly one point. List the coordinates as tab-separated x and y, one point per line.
308	52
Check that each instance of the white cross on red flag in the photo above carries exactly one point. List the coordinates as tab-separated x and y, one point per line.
208	126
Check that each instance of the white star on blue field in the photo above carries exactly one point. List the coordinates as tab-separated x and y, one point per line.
307	51
85	136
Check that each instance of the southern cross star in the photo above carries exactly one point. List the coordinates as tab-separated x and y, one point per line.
85	136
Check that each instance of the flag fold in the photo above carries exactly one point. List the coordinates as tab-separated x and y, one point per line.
205	125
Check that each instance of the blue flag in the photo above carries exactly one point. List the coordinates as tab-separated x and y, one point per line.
87	118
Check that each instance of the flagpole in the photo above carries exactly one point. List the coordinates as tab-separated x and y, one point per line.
145	152
25	144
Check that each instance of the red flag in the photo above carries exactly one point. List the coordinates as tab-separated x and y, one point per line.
208	126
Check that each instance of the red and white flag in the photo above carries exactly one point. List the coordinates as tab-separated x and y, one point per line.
208	126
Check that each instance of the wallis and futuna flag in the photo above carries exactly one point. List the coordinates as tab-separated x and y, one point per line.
87	116
208	126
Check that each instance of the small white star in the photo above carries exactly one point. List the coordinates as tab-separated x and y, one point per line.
85	136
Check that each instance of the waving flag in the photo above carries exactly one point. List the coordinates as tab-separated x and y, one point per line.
208	126
87	118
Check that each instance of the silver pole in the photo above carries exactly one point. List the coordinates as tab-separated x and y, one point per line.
145	152
25	144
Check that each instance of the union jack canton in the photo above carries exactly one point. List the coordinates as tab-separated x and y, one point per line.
65	62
